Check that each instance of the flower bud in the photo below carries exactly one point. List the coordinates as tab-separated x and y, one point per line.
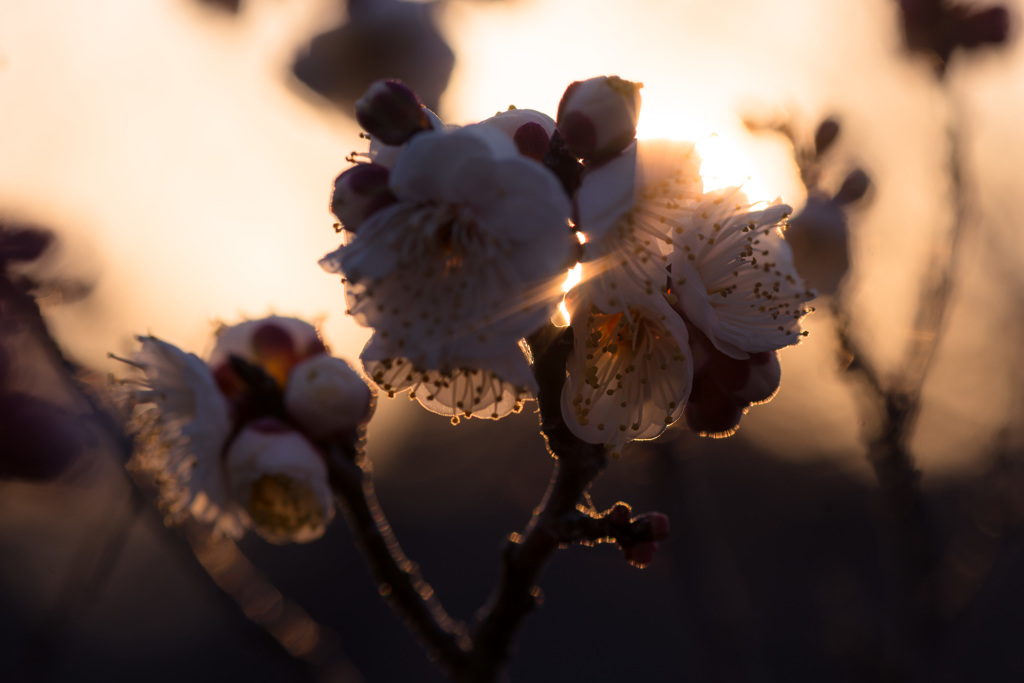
326	396
280	479
619	514
359	192
598	117
762	380
21	243
826	134
38	440
657	522
990	26
530	130
818	238
712	411
853	188
391	112
641	554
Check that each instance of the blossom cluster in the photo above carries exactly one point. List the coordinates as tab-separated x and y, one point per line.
457	241
237	441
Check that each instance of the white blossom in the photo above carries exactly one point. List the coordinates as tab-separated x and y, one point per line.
326	396
280	480
182	422
452	276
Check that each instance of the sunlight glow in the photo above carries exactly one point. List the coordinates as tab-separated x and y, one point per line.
572	279
727	159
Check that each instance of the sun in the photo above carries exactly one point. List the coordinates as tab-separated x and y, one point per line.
727	157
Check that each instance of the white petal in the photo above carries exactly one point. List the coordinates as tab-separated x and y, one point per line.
630	373
606	194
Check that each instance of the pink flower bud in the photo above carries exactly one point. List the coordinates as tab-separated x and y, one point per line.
280	479
38	440
532	140
619	514
597	117
23	243
530	130
359	192
854	187
763	379
712	411
391	112
990	26
826	134
641	554
326	396
658	524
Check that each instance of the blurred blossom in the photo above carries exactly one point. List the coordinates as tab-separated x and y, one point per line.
218	437
938	27
818	236
383	39
467	262
281	479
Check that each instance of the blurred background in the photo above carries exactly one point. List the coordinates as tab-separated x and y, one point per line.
181	153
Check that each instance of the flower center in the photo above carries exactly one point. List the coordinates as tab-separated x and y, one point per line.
280	504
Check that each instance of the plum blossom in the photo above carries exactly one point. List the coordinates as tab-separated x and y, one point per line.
466	261
674	278
221	440
733	276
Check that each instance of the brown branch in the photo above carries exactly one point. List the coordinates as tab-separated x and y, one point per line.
398	578
578	464
897	402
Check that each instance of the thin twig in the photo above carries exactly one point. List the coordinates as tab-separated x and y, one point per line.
556	522
897	400
579	463
398	578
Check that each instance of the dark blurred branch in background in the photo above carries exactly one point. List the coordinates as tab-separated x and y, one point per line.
41	440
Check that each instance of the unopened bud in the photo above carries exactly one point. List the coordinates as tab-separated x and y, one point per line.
326	396
530	130
826	134
711	411
641	554
281	481
360	192
598	117
23	244
38	440
620	514
658	524
763	379
989	26
818	238
274	344
391	112
853	188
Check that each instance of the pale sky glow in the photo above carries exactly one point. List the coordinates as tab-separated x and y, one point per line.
189	176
